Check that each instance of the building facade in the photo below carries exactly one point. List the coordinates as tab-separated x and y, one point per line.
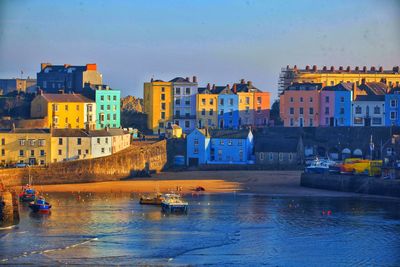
228	109
207	108
392	107
262	108
215	146
108	105
158	105
53	78
65	110
184	105
335	105
368	110
17	85
332	76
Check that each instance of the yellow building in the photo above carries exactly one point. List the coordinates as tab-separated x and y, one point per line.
29	146
65	110
70	144
207	108
158	105
332	76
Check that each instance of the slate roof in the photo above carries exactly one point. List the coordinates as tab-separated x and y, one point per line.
374	88
23	130
220	89
339	87
304	86
203	90
67	98
228	134
395	90
370	98
179	80
285	145
245	88
85	133
62	68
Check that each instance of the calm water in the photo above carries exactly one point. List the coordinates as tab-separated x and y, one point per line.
228	229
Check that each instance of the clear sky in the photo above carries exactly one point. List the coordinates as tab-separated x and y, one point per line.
218	41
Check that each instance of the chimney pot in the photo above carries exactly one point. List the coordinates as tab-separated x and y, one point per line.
194	79
213	87
348	69
324	68
365	69
373	68
242	81
249	83
228	86
44	65
380	69
314	67
187	79
357	68
295	67
208	86
332	68
307	67
340	67
234	88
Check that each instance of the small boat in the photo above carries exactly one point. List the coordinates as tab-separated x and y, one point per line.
173	203
28	194
151	200
317	166
40	205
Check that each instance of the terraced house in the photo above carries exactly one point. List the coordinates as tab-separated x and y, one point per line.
64	110
207	108
108	113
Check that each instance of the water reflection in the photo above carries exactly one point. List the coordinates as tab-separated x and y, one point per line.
222	229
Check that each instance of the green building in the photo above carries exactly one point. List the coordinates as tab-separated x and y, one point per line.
108	113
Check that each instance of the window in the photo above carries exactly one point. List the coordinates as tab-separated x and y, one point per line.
106	140
241	154
271	156
209	122
187	91
187	124
290	156
60	141
108	117
358	110
211	112
219	154
187	102
229	142
163	97
163	115
280	156
326	99
393	103
291	122
326	110
221	112
326	121
301	111
79	141
341	121
162	89
108	98
115	98
196	150
291	111
261	155
98	140
377	110
3	152
258	109
66	107
341	111
247	110
221	101
101	117
115	117
311	122
393	115
161	125
221	142
203	101
342	99
259	100
203	112
3	141
102	107
102	98
230	101
108	107
377	121
311	99
178	91
102	150
358	121
177	102
21	153
291	99
42	153
247	100
32	153
231	112
55	107
311	111
301	99
211	101
79	152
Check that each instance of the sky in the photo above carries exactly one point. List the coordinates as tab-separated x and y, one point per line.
218	41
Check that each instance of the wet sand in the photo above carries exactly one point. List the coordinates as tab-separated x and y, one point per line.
278	183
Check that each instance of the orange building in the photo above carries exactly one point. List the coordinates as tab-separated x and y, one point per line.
262	108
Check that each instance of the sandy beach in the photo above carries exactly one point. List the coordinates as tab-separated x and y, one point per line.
278	183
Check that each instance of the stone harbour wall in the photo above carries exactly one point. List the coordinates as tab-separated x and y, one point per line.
9	214
124	164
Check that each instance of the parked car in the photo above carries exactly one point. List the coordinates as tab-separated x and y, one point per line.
21	165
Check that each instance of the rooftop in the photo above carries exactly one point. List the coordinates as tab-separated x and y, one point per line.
66	98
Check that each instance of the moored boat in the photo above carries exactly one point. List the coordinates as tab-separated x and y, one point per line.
151	200
28	194
173	203
317	166
40	205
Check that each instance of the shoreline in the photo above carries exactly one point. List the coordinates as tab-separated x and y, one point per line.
270	183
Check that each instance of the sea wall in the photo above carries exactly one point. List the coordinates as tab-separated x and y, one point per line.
352	183
124	164
9	214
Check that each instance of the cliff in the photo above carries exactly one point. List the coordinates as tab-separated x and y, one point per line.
131	103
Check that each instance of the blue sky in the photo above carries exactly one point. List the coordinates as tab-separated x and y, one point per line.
218	41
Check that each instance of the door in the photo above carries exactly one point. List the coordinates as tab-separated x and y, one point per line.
193	161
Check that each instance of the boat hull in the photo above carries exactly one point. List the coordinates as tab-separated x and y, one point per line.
174	208
40	207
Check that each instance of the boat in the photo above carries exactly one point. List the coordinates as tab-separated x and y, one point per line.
317	166
28	194
173	203
40	205
151	200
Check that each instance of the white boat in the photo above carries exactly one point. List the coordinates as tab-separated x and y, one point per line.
173	203
318	166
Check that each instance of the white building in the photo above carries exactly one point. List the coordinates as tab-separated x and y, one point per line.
368	110
184	92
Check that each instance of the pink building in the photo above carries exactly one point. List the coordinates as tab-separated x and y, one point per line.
300	105
327	108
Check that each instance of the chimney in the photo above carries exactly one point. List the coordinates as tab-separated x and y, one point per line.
187	79
307	67
340	68
357	68
365	69
380	69
44	65
324	68
234	88
287	67
314	68
295	68
66	66
363	81
213	87
242	81
228	86
332	68
348	69
373	68
194	79
92	66
208	86
151	80
249	83
396	69
39	91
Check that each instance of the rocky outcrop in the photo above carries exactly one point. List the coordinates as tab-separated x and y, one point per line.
131	103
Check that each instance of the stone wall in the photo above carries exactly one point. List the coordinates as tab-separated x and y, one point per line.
124	164
9	214
352	183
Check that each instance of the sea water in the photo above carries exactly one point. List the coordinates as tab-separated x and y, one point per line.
219	230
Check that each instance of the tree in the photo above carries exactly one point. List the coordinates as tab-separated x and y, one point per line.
274	114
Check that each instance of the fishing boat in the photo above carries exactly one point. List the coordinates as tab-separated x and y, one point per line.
151	200
317	166
173	203
28	194
40	205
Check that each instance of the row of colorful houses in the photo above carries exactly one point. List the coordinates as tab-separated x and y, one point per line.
344	104
181	102
44	146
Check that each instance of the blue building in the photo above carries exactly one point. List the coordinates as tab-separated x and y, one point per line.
335	105
216	146
228	108
392	107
